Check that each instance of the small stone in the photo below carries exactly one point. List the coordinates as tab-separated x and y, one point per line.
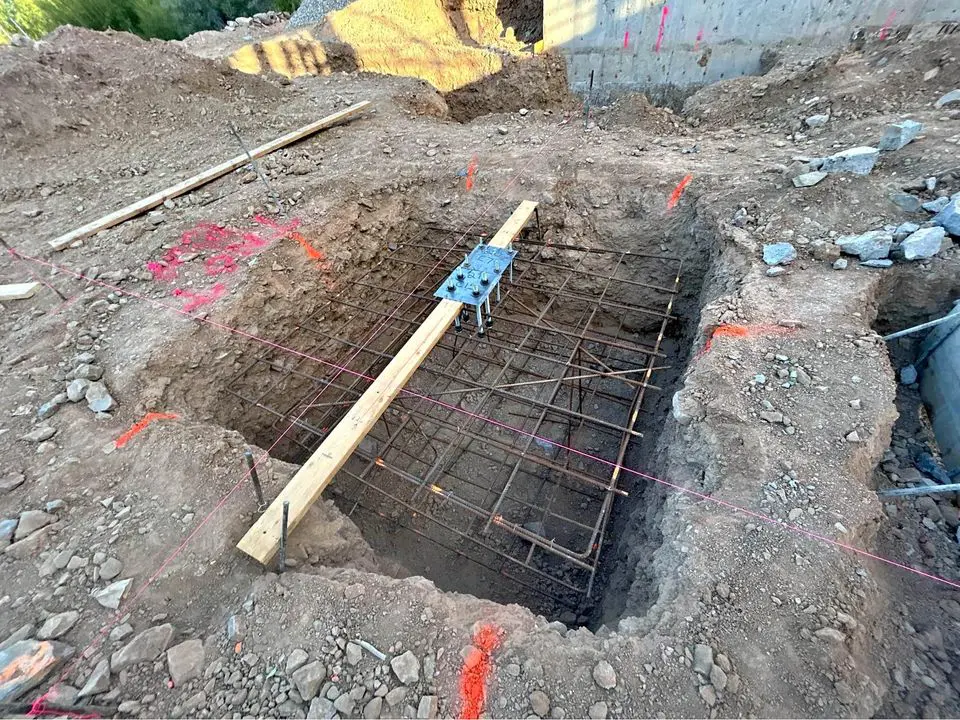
906	202
98	682
11	482
708	694
99	398
110	569
185	661
7	527
904	230
344	704
782	253
372	710
121	631
853	437
858	160
353	653
923	243
808	179
429	707
908	375
57	625
873	245
877	263
604	675
86	371
296	660
145	647
949	99
111	595
40	434
931	74
76	389
897	135
830	634
396	696
702	659
949	217
598	711
815	121
406	667
937	205
502	130
718	678
540	702
309	678
771	416
31	521
321	709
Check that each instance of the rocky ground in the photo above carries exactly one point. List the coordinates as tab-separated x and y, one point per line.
120	560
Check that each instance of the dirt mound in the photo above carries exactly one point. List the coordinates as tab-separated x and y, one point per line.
105	84
537	81
882	77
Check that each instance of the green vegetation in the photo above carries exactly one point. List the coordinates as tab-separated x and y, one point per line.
165	19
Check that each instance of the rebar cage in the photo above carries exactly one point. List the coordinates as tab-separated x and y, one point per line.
504	451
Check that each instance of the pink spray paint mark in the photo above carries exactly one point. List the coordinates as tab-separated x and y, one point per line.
219	264
626	40
696	45
663	22
199	299
885	30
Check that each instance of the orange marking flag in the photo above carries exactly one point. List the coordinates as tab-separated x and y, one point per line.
678	191
141	424
476	671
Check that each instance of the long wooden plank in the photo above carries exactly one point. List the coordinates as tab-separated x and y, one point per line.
148	203
18	291
262	540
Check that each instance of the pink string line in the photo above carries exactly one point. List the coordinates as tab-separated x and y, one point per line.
496	423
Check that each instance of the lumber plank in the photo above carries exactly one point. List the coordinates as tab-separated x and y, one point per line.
158	198
262	540
18	291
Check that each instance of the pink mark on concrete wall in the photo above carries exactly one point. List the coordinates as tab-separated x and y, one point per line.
663	23
696	44
626	40
885	30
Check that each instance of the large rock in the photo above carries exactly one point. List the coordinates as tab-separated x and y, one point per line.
99	680
98	397
949	99
145	647
858	160
924	243
897	135
309	678
26	664
185	661
949	217
58	625
406	667
31	521
873	245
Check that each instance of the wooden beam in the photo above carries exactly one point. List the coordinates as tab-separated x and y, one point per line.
18	291
262	540
148	203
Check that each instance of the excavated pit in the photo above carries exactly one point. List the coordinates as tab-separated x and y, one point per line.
498	471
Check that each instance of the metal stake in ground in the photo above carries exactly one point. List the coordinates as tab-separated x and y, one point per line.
257	488
282	554
256	168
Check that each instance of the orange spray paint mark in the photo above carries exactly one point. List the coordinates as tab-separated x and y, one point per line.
311	251
743	332
471	171
141	424
678	191
476	671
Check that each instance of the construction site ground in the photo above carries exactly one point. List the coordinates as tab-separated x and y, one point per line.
704	609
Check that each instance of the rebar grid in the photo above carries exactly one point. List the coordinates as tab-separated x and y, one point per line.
575	341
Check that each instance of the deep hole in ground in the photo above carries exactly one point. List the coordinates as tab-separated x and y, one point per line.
495	473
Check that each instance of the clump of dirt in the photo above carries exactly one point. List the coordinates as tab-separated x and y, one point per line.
86	82
538	81
636	110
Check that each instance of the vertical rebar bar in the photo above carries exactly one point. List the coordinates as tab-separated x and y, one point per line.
255	478
282	555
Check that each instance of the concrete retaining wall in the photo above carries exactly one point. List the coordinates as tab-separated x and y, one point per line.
733	35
